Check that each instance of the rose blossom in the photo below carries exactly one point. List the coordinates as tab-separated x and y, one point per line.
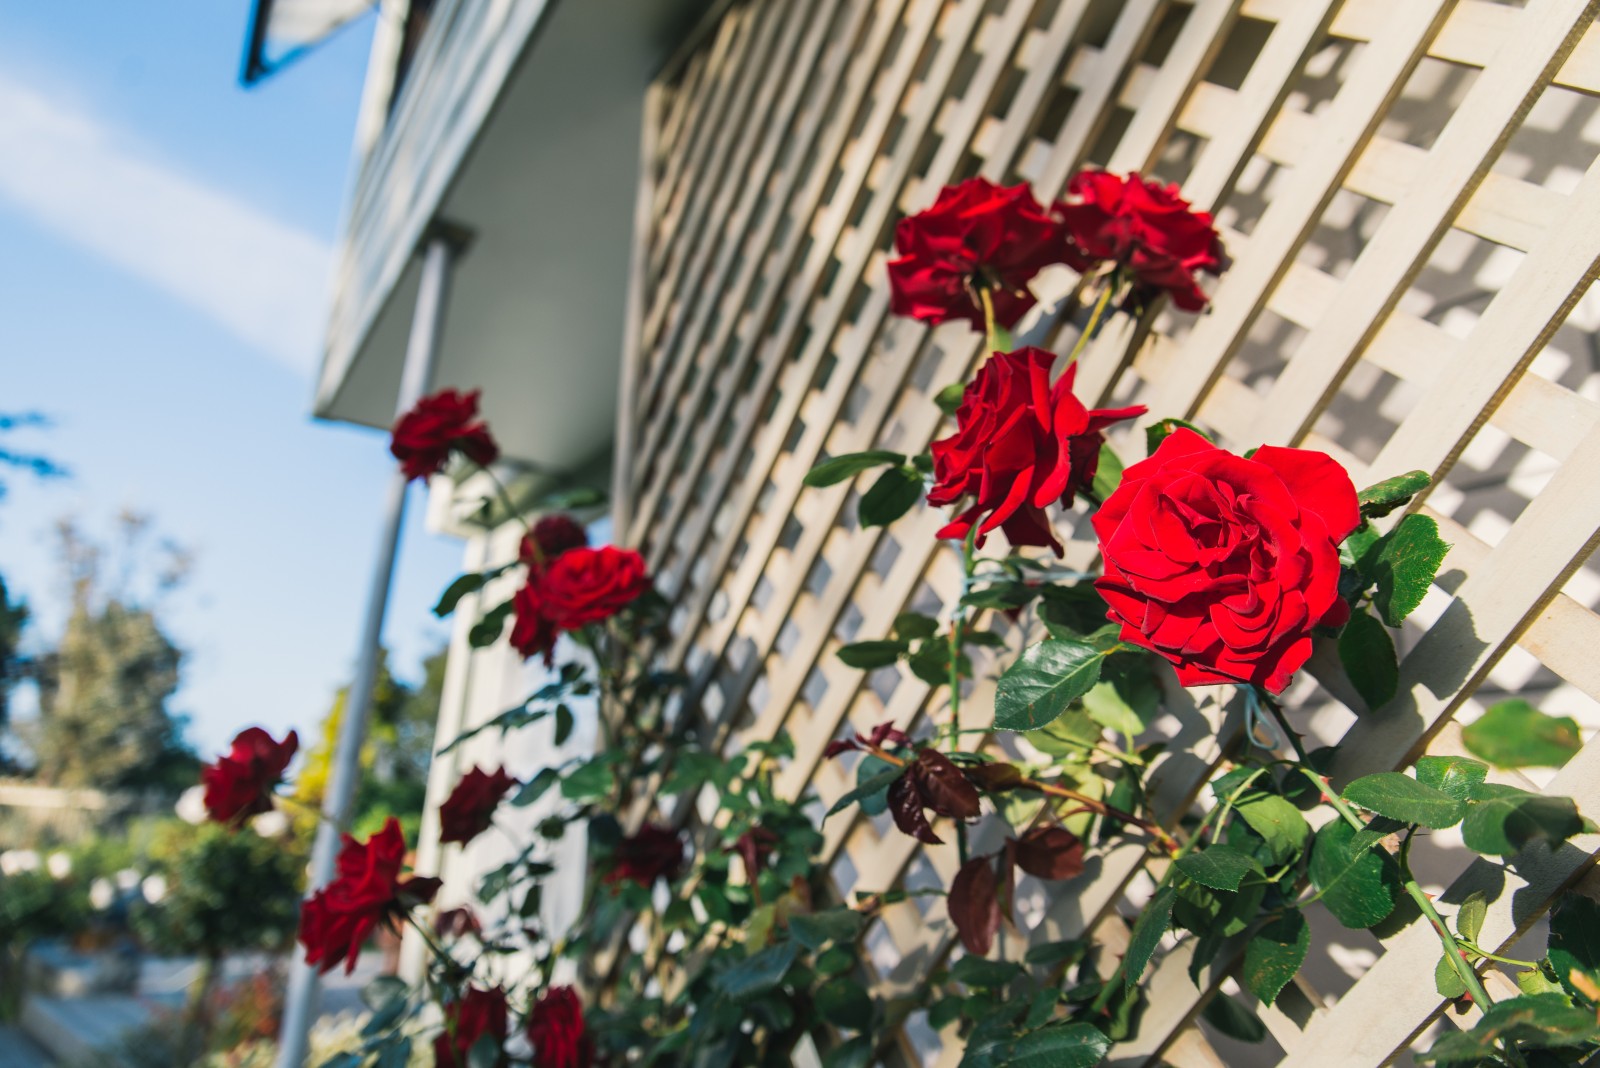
445	422
653	852
477	1013
469	809
367	891
240	784
1223	564
591	585
551	536
557	1031
977	236
1020	445
1143	227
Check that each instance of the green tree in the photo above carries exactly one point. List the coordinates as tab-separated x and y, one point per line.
227	891
104	692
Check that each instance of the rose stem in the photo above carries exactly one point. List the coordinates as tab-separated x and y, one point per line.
1092	325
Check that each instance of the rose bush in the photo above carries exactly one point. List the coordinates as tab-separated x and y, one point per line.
712	935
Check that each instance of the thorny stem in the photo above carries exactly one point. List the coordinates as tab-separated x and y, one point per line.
991	332
1452	949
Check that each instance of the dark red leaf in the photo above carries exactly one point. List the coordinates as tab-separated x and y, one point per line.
905	804
994	777
944	789
973	906
1049	853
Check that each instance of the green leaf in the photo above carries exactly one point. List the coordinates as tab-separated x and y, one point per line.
485	1053
1574	938
564	724
891	497
486	631
913	625
1391	493
1274	954
589	781
471	582
1049	954
1542	1021
383	992
1470	916
985	974
1453	775
843	1002
1447	981
877	783
949	398
1156	433
1502	820
1367	652
535	787
1356	883
1400	797
759	973
871	654
856	1053
1233	1019
839	468
870	766
815	930
1514	734
1107	473
1277	821
1046	679
1408	558
1073	1045
1146	934
1127	698
1221	867
1535	981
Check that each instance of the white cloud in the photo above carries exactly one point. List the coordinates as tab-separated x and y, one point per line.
263	280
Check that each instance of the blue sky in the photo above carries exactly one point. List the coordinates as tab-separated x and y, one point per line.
165	241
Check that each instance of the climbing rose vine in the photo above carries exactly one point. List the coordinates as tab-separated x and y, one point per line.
710	930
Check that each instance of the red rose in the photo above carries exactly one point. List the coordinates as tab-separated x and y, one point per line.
651	853
550	537
1020	444
1144	228
557	1032
478	1013
977	235
580	586
240	784
590	585
469	809
447	421
532	632
1223	565
367	891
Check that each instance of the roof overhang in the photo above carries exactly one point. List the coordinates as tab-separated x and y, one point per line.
519	122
